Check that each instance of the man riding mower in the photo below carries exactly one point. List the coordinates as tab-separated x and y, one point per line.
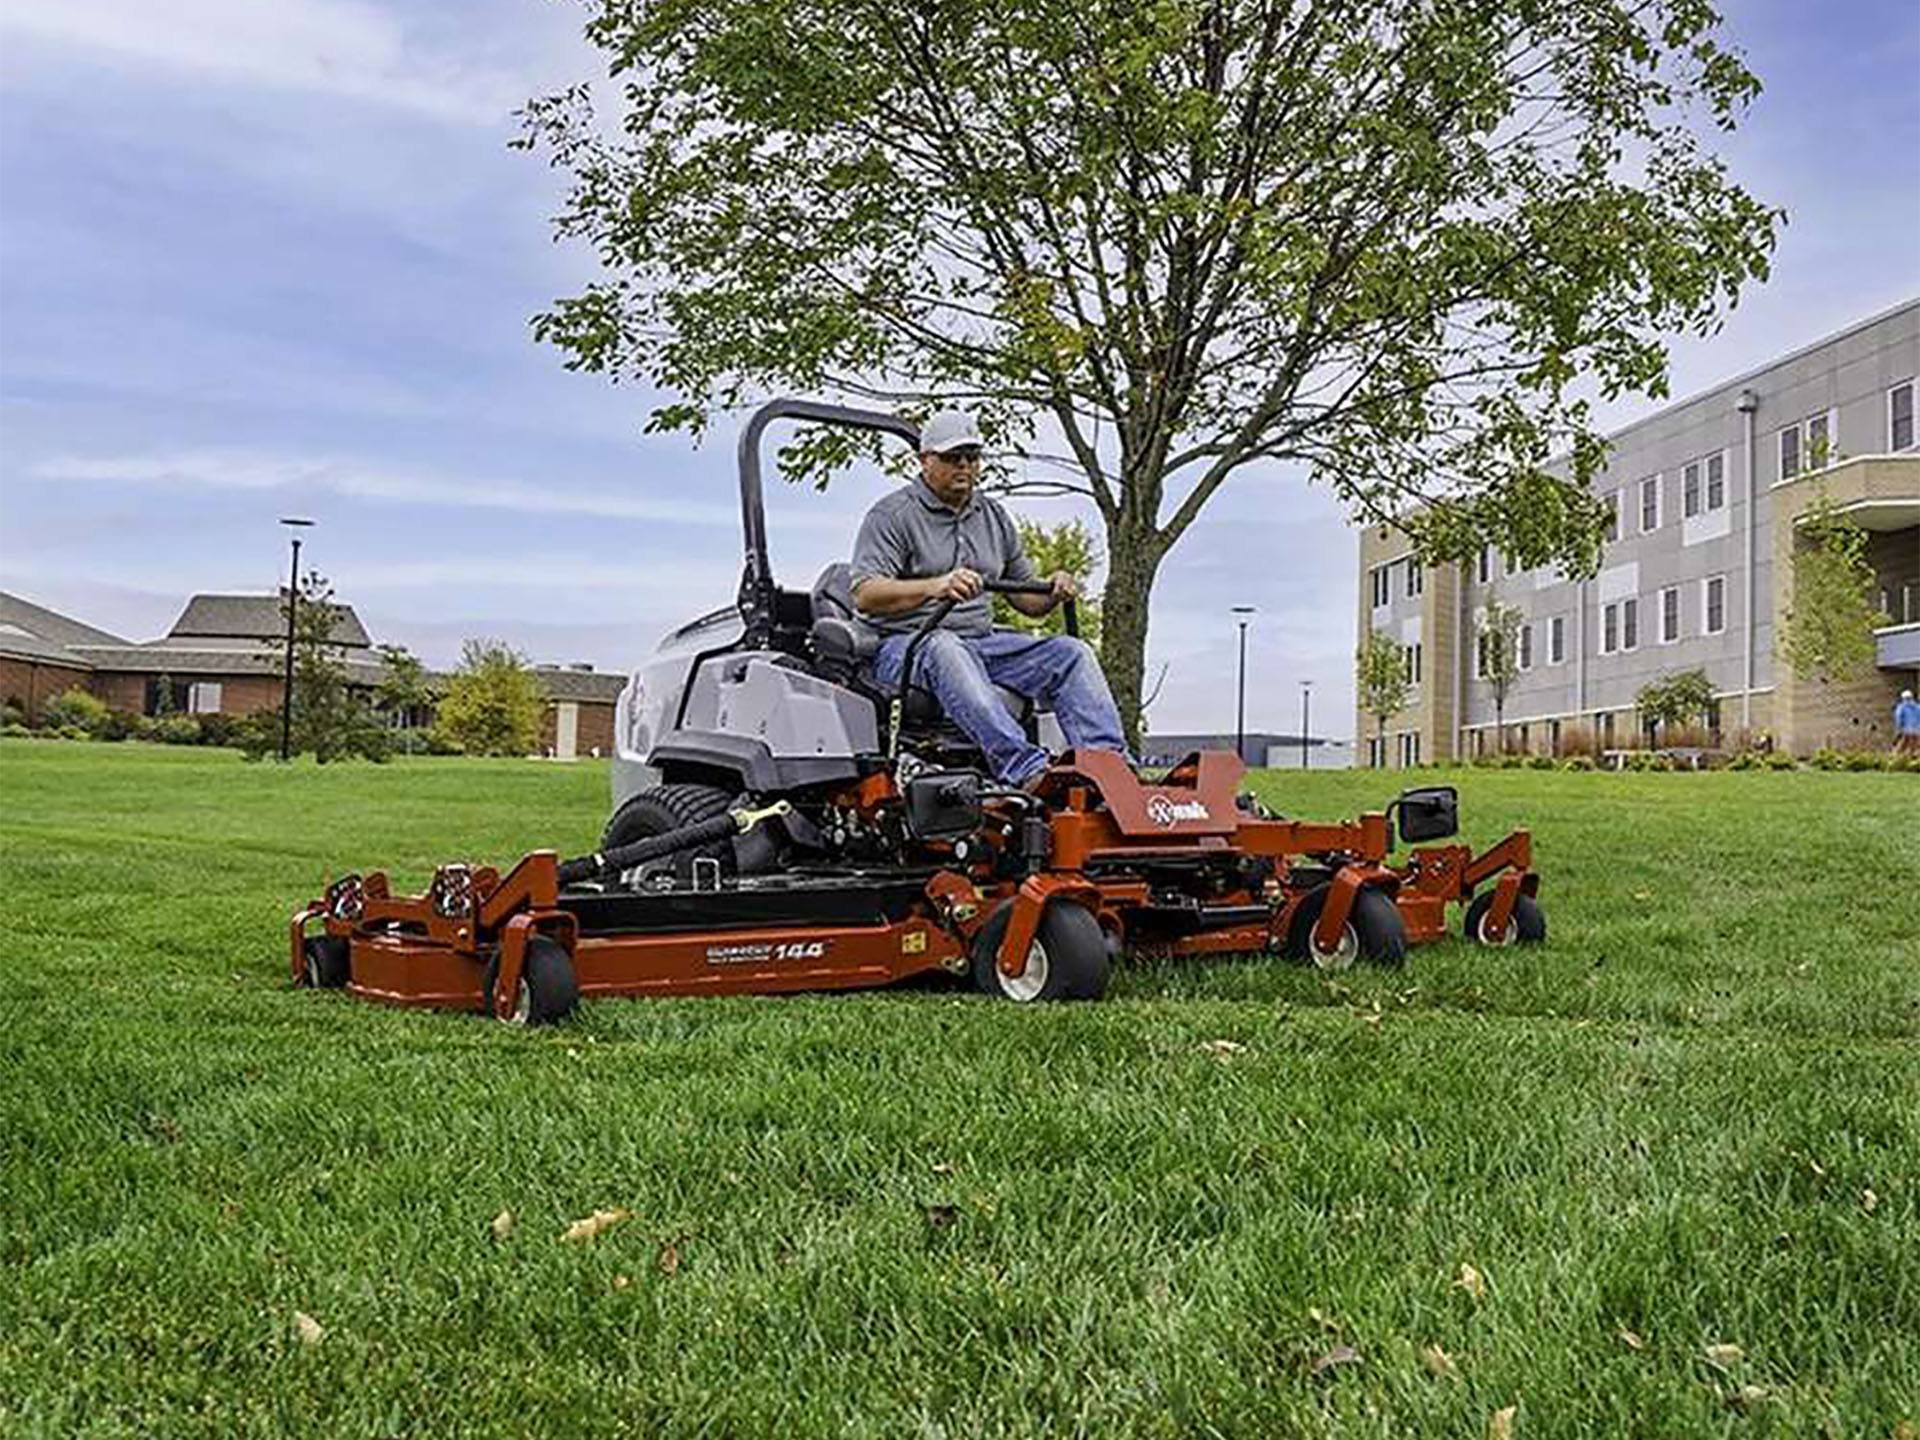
807	801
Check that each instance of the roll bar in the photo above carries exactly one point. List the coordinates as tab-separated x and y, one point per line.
756	583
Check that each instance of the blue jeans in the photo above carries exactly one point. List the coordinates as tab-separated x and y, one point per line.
1058	672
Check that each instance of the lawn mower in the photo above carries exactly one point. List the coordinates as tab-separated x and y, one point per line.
783	824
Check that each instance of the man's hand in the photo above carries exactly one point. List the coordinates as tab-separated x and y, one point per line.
1065	586
960	584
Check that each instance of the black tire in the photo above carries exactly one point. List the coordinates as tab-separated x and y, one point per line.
670	807
329	961
1375	931
1528	926
549	992
1071	947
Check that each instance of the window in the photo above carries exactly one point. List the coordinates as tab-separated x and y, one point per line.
1690	489
1609	628
1649	504
1557	640
204	698
1713	605
1382	586
1703	484
1486	564
1716	481
1900	416
1669	614
1414	659
1416	578
1376	753
1526	647
1480	656
1553	737
1606	728
1629	624
1613	516
1807	445
1409	748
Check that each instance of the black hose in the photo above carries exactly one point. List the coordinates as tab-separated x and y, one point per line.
638	852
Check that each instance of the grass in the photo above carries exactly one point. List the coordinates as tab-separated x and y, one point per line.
1694	1117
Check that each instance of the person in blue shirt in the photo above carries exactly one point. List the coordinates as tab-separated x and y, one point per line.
1906	725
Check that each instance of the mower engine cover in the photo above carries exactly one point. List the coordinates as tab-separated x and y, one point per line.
1430	813
944	805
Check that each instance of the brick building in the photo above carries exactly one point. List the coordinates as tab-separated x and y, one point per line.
224	656
1697	573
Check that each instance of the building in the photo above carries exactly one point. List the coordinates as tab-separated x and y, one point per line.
1263	747
1706	496
225	656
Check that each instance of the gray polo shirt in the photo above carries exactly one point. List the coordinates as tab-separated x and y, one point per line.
911	534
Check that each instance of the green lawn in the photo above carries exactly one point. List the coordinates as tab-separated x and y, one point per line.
1693	1117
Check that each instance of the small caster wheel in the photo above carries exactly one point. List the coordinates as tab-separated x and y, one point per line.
1527	927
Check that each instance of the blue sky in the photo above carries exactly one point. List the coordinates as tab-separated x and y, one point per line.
260	259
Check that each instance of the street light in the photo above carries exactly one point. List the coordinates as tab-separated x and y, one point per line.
1306	704
294	525
1245	612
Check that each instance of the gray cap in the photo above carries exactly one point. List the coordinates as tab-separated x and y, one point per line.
949	430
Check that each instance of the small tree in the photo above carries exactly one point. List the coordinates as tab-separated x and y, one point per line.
1828	630
76	709
1068	546
330	719
1381	680
403	685
1675	699
1499	642
493	702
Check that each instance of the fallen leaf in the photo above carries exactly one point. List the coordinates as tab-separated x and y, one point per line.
1439	1364
1725	1357
1500	1424
1631	1340
1643	894
1334	1358
943	1168
596	1223
310	1330
1905	1431
1817	1168
941	1216
669	1258
503	1225
1471	1281
621	1282
1747	1397
1222	1048
1869	1201
1322	1319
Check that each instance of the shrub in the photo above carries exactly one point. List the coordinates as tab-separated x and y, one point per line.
173	729
1779	760
1577	739
1579	762
1746	760
1827	758
119	725
12	715
1540	762
69	732
1866	760
14	730
76	710
217	729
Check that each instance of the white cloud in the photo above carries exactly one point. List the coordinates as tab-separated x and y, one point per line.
334	47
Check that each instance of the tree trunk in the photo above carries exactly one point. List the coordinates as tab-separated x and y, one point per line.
1133	558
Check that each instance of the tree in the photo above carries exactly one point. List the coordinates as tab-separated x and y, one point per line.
1828	630
1675	699
1499	657
331	719
404	690
1382	680
1156	245
493	702
1068	546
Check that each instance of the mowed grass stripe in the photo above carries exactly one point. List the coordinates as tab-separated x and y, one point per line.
926	1213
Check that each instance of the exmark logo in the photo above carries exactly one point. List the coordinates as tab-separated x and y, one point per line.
1163	811
750	954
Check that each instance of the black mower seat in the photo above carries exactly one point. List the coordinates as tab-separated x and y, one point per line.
845	645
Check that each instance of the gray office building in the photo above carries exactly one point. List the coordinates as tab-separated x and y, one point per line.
1707	495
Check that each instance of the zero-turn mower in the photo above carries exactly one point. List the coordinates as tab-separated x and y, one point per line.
781	825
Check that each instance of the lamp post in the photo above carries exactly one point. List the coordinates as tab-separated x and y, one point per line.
1245	613
295	525
1306	704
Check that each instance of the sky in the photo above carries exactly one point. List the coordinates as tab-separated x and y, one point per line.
276	259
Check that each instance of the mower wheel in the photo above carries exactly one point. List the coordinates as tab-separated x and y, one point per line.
329	965
1374	931
1067	960
662	808
1527	927
548	989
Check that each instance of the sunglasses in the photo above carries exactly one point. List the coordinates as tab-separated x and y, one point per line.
969	455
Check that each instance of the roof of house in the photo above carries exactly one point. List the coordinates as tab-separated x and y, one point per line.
256	617
51	624
171	657
576	683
